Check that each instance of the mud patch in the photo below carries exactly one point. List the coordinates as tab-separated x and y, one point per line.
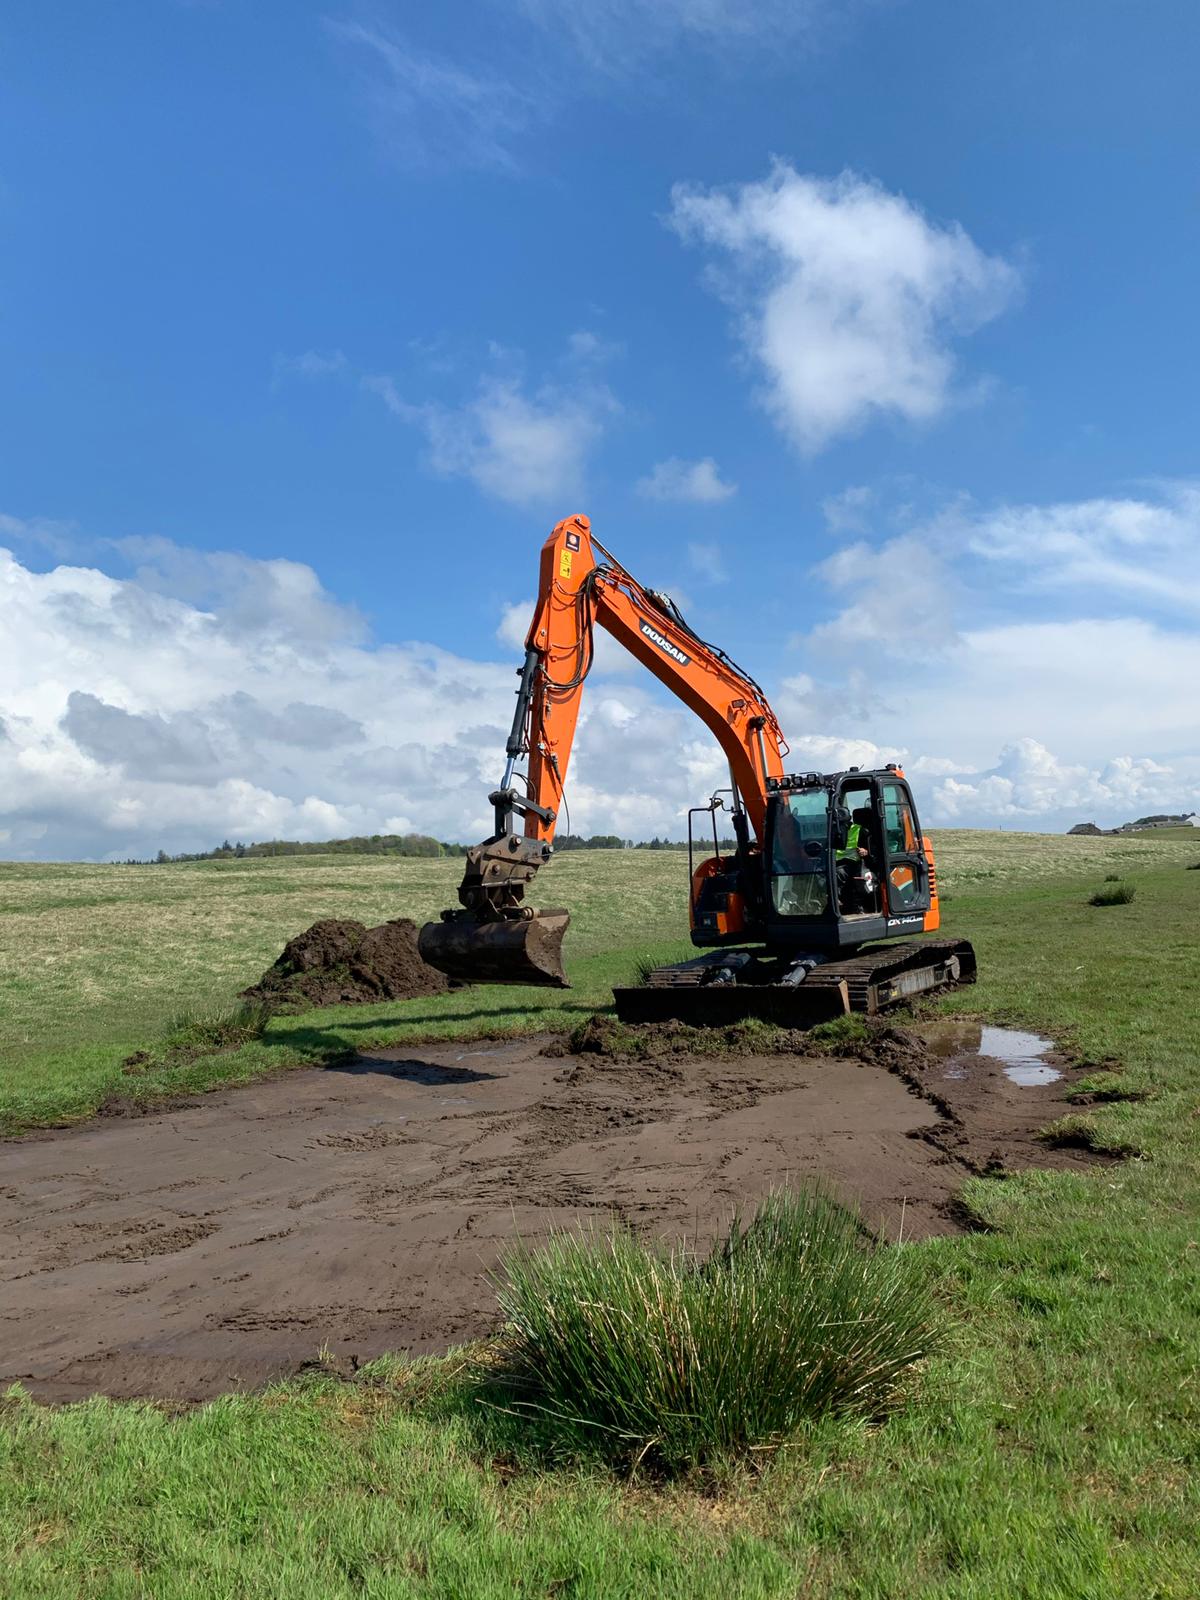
360	1210
603	1043
338	963
157	1242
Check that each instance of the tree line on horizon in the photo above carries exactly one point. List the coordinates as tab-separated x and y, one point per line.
409	845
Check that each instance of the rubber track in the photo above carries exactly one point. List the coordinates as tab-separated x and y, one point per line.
862	973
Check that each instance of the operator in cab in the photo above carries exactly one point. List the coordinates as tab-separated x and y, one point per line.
857	888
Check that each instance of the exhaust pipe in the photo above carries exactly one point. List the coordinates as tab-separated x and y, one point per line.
523	950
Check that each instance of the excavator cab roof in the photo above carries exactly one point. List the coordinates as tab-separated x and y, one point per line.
829	780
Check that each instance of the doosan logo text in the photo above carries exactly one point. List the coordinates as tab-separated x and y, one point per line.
672	650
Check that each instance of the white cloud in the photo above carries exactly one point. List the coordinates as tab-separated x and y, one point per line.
707	561
942	644
621	776
137	720
848	297
618	36
853	701
1028	782
429	112
1142	551
524	449
480	107
59	538
823	752
380	385
527	447
1086	688
312	364
899	595
693	482
847	512
1114	558
133	720
245	595
587	347
212	694
514	624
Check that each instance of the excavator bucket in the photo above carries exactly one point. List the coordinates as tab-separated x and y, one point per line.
524	950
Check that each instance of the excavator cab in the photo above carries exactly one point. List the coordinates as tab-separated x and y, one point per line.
848	862
843	864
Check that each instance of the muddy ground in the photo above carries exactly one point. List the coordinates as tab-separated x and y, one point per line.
223	1242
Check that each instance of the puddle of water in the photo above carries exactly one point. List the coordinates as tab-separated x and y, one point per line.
952	1038
1021	1054
958	1044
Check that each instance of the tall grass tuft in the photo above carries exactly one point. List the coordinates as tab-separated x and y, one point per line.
202	1031
1112	894
634	1352
642	969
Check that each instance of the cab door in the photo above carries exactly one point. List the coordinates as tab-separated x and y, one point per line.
906	872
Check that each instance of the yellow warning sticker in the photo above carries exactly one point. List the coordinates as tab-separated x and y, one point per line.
564	564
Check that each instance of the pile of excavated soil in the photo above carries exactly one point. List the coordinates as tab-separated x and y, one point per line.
216	1244
339	963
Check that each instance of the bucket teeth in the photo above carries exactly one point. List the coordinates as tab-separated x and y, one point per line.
516	950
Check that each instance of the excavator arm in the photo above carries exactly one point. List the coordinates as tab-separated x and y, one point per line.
495	937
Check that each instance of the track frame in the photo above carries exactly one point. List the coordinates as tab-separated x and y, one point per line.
867	982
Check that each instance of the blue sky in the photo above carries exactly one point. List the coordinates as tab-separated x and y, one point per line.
867	328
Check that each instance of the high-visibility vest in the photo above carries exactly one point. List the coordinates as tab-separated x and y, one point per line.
850	853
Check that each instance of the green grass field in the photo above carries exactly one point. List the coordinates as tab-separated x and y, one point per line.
1051	1450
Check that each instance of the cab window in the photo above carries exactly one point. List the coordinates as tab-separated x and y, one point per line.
905	878
801	820
799	847
898	826
857	801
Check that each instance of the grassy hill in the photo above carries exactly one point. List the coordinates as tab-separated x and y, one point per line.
1051	1452
97	961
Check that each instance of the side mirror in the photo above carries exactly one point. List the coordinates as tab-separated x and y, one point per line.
841	827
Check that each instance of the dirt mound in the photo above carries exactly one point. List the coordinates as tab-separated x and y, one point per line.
339	963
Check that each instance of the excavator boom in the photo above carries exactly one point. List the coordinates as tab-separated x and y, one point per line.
495	937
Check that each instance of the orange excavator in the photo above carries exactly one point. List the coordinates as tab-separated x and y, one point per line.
811	914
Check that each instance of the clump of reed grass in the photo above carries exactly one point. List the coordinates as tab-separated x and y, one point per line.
638	1353
1113	894
201	1031
643	966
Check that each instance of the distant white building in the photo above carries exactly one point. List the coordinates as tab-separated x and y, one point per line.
1144	823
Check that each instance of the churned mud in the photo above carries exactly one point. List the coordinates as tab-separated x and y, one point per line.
225	1241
